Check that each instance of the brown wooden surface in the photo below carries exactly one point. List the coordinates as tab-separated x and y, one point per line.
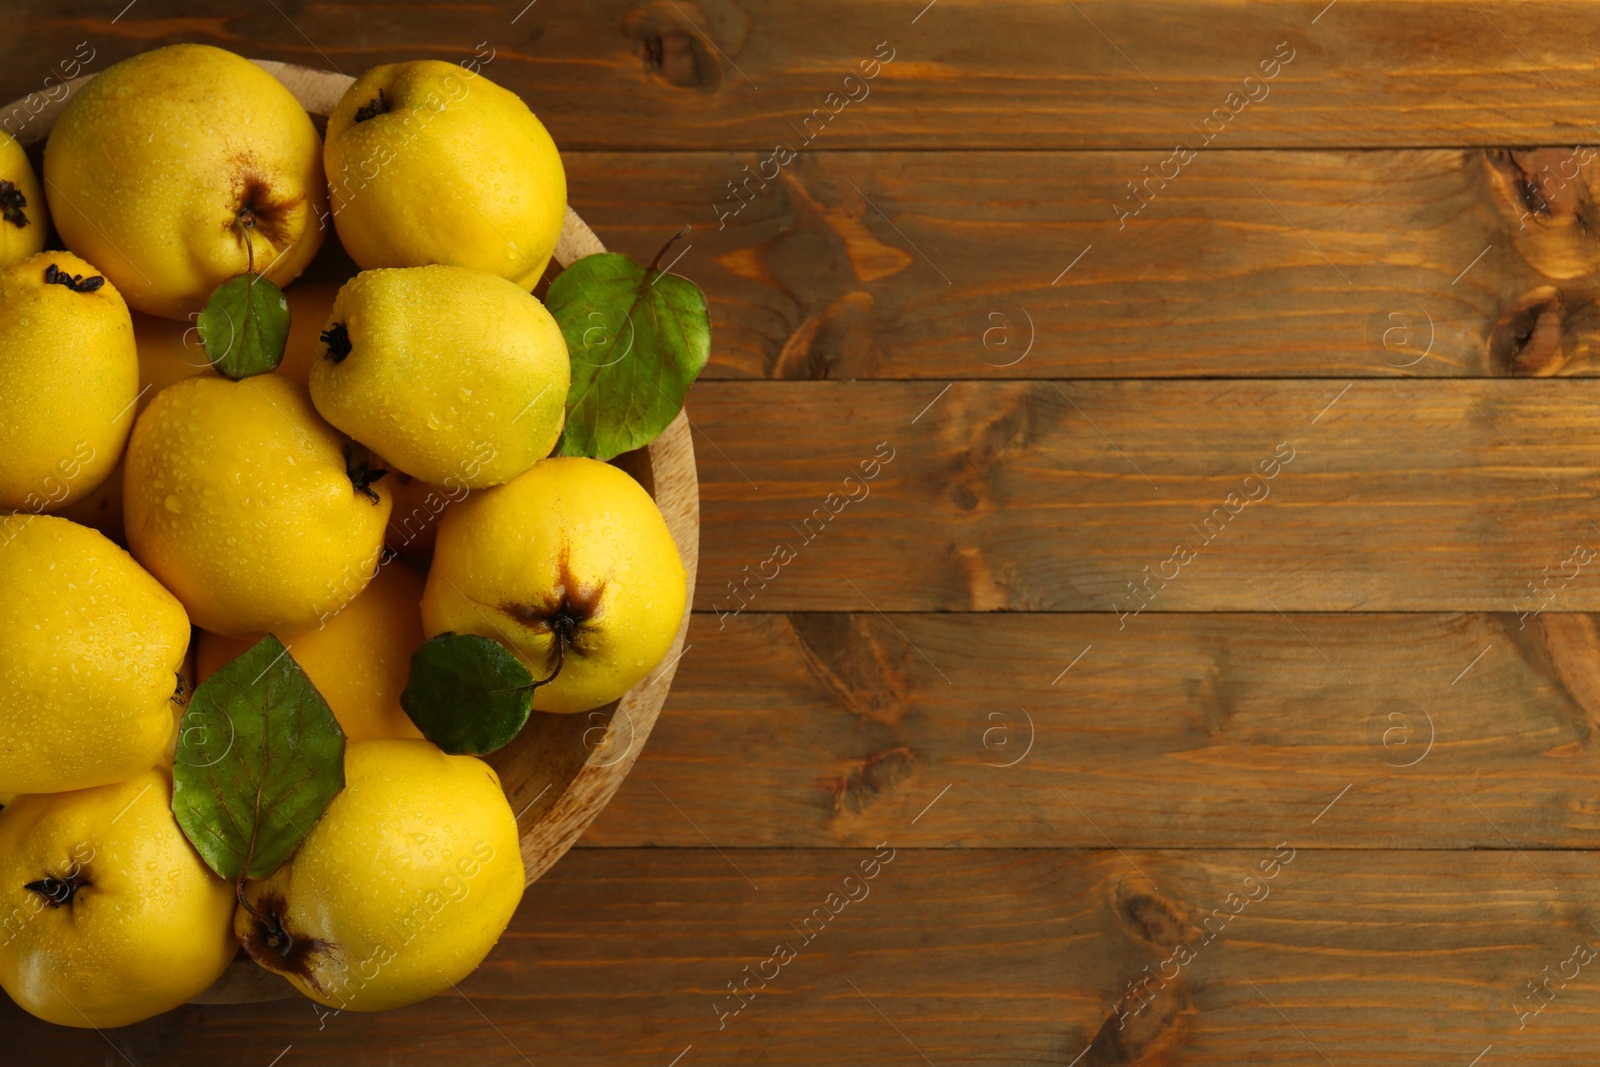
1383	220
1052	496
1184	731
979	956
1222	275
664	74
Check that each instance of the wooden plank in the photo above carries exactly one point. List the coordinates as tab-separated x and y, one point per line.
1016	264
1395	496
974	957
1182	731
968	73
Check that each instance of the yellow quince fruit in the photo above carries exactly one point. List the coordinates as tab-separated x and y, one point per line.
100	510
359	660
107	916
169	351
24	222
572	566
431	163
448	373
401	888
310	304
180	167
249	507
414	522
68	380
90	650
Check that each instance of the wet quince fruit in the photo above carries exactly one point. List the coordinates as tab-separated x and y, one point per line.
359	660
431	163
69	376
574	567
169	351
24	222
448	373
250	508
107	915
310	304
413	524
402	887
181	167
90	650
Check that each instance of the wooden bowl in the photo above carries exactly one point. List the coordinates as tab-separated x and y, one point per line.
562	769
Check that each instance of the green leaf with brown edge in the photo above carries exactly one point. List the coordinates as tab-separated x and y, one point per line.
245	326
468	693
259	758
638	338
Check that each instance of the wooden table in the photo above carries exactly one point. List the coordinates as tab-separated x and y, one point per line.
1147	464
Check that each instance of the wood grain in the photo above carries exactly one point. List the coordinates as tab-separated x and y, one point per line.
1008	957
1383	196
651	74
1030	496
942	265
1181	731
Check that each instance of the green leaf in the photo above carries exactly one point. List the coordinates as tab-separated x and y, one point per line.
467	693
259	757
638	338
244	326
